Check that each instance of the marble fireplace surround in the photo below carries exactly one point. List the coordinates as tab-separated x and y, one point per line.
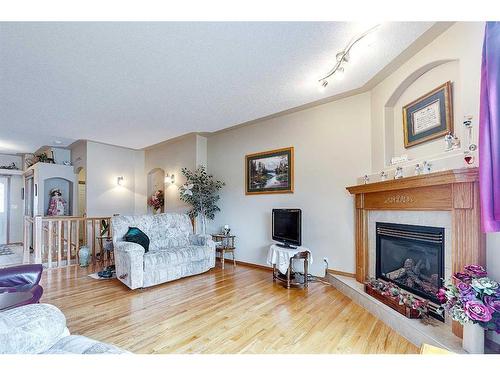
448	199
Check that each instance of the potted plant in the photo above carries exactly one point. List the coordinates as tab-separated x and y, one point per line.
472	299
201	192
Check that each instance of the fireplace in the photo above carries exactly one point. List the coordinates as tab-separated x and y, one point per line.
411	256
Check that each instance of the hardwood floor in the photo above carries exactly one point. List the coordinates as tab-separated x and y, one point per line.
236	310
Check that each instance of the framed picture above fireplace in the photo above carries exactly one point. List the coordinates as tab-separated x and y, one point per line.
269	172
428	117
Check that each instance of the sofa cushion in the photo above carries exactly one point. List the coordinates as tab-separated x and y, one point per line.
175	256
31	329
137	236
76	344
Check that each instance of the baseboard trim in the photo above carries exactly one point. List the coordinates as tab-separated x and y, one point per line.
239	262
341	273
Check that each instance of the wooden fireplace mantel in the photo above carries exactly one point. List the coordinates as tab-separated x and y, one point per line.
454	190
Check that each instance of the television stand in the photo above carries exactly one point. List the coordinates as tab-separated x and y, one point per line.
281	259
286	246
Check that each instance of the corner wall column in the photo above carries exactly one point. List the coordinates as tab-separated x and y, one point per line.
361	240
468	242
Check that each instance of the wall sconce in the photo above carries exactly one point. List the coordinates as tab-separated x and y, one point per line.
119	181
169	179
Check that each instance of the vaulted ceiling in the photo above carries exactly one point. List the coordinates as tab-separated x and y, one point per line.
137	84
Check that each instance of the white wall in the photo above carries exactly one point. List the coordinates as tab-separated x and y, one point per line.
332	147
104	164
425	83
172	156
461	45
140	183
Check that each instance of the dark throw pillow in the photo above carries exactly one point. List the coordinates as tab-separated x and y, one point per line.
137	236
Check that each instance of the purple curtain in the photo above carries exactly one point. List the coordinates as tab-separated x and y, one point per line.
489	130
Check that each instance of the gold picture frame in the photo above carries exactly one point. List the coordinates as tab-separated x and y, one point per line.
428	117
270	172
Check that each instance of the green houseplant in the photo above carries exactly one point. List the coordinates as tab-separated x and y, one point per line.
201	191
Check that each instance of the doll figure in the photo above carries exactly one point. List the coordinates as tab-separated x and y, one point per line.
57	205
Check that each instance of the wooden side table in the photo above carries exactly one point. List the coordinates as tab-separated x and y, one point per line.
281	259
303	255
225	244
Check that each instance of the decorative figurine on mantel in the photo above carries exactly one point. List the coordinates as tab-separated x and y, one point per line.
452	142
366	179
468	157
383	176
57	205
448	141
226	230
418	170
427	167
468	125
399	173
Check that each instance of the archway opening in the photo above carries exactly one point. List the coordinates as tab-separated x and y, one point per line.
156	181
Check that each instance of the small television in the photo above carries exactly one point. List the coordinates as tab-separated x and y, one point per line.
287	226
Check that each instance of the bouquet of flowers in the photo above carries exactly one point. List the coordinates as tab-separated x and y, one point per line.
157	200
472	297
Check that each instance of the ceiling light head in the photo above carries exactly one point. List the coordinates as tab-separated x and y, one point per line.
323	83
119	180
342	56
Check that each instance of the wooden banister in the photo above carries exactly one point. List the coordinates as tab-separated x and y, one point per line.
56	240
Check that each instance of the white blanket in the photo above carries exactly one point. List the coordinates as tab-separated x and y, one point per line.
280	256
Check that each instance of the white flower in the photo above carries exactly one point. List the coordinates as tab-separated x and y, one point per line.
187	189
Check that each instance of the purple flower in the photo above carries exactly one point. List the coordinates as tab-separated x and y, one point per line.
464	288
493	302
476	270
466	292
464	277
477	311
441	296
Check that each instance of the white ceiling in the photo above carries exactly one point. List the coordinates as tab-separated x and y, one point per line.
137	84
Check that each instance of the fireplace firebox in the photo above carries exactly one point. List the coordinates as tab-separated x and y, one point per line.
412	257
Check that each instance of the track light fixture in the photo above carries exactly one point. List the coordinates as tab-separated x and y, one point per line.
342	57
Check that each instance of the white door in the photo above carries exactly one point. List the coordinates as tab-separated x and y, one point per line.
4	211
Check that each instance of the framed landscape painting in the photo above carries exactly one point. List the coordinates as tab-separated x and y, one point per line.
269	172
428	117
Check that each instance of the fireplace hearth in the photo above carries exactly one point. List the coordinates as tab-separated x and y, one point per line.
411	256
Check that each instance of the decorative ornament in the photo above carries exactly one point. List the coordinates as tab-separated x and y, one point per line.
399	173
418	169
57	204
427	167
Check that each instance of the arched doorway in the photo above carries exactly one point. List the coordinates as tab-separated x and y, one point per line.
156	181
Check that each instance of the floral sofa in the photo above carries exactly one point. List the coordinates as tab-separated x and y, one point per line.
174	251
41	329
